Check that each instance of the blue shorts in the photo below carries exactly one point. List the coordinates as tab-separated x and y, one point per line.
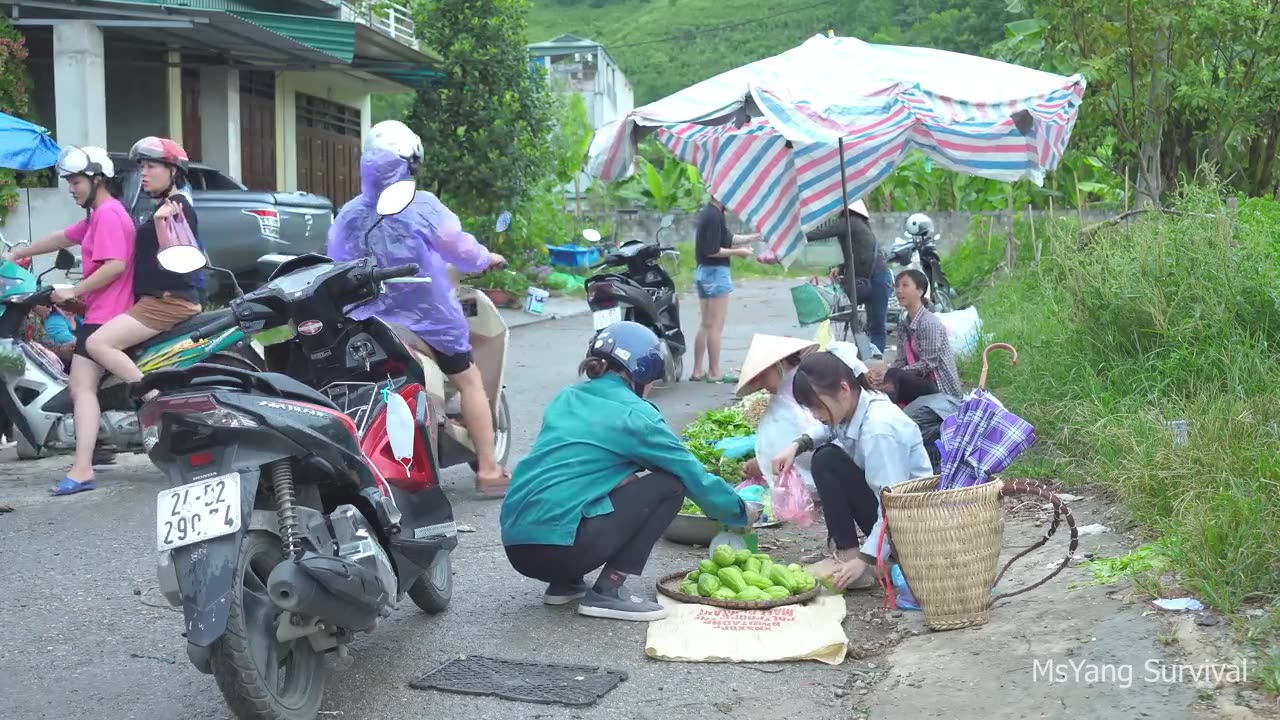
712	281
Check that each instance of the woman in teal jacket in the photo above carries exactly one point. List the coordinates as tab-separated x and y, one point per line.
581	499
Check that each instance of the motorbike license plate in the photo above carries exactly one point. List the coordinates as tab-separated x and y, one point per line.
602	319
198	511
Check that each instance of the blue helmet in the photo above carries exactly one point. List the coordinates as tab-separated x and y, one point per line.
632	347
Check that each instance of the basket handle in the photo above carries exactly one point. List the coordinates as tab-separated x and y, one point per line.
1060	510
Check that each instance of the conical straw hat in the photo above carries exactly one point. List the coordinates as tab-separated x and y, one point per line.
766	351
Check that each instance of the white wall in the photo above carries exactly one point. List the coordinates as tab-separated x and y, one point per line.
333	86
38	212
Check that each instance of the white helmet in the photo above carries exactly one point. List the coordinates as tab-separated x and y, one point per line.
919	224
396	137
86	160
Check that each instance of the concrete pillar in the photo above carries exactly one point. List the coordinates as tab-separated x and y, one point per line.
174	77
366	117
80	84
220	119
286	129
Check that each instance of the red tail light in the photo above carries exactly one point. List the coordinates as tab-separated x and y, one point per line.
201	409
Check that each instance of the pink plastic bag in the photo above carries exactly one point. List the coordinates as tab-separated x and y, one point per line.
792	502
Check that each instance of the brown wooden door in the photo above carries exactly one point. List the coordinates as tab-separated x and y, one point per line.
191	114
258	130
328	148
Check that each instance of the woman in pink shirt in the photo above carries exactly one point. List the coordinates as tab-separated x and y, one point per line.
106	239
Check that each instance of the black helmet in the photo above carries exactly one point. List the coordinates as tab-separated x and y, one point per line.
631	347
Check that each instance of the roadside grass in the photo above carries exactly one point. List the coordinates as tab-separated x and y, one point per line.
1168	318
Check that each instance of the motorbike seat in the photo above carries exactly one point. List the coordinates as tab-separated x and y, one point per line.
183	329
292	389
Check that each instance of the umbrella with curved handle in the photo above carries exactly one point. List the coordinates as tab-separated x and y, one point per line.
982	438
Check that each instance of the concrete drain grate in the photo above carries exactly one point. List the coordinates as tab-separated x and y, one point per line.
542	683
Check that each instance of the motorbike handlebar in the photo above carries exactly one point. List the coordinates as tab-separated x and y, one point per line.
398	271
224	324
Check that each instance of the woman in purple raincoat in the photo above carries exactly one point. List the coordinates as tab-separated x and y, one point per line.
429	234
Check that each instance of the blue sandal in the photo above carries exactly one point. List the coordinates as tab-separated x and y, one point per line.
71	487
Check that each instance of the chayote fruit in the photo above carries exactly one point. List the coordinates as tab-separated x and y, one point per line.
732	579
707	584
724	556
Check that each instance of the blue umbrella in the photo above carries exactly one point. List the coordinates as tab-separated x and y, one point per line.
25	146
982	437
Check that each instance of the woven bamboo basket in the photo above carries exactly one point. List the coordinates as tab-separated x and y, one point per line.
948	544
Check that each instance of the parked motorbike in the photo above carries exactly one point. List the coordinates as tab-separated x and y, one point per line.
34	394
303	506
642	292
918	248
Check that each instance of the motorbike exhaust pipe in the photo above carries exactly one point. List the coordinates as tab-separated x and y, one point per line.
307	587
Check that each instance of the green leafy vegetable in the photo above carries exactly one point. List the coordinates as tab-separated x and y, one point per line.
702	434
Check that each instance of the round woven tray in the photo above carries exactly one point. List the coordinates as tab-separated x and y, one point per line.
670	586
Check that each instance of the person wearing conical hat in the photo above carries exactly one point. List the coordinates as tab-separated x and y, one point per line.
770	365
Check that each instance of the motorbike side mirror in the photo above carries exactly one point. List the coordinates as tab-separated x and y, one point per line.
667	221
64	260
591	235
504	222
396	197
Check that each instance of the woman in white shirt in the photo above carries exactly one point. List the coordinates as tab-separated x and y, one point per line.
865	443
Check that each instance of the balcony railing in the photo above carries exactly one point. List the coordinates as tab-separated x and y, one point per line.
389	18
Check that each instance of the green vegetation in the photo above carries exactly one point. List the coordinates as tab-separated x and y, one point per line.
15	100
484	128
667	45
1168	318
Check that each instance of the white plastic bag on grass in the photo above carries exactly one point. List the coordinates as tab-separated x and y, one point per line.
964	330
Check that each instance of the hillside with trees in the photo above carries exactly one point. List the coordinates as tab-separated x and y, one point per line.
666	45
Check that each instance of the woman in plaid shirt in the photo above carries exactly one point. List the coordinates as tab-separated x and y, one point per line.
925	363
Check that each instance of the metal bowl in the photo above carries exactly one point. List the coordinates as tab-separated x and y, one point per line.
691	530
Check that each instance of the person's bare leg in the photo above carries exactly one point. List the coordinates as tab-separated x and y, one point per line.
477	415
84	379
717	311
700	341
106	346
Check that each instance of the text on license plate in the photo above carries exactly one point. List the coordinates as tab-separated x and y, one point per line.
198	511
602	319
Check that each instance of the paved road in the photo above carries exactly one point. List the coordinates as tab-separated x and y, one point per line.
81	641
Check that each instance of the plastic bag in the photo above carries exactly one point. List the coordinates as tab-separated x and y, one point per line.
783	421
964	330
756	490
736	448
180	252
905	600
792	502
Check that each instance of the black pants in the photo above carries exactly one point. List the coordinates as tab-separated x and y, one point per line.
848	503
621	540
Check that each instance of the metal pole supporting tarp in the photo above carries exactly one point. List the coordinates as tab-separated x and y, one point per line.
855	320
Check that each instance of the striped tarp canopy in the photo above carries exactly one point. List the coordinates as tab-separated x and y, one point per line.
766	136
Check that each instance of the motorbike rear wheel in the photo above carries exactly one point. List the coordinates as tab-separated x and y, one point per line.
261	678
434	590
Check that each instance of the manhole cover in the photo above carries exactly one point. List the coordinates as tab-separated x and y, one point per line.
542	683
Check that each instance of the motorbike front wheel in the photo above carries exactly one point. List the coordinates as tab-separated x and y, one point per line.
260	677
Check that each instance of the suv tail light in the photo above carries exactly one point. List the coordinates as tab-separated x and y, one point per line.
268	222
